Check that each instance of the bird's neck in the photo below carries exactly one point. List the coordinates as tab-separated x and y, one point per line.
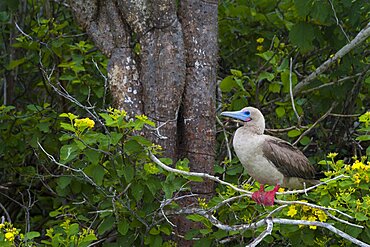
253	129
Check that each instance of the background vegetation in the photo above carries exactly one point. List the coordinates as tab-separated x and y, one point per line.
73	172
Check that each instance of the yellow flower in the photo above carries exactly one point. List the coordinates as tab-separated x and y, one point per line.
260	48
202	203
2	225
358	204
84	122
260	40
312	218
9	236
358	165
281	190
321	215
357	178
141	117
332	155
292	211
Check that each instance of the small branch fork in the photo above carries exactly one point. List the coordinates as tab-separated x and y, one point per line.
268	221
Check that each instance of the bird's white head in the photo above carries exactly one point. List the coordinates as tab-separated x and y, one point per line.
252	117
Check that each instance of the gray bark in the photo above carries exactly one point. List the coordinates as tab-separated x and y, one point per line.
173	78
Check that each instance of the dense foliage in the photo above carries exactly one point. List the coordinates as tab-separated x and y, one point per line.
74	171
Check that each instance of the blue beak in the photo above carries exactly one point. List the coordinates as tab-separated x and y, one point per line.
236	115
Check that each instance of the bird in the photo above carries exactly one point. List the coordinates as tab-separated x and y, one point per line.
268	159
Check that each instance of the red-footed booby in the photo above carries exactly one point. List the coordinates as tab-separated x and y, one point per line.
268	159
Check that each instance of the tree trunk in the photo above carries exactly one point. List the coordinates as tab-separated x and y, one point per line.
170	77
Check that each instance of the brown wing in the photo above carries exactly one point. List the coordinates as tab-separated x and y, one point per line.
290	161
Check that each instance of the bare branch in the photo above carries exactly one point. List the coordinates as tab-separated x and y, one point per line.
304	191
291	91
6	213
196	174
361	36
324	225
246	193
331	83
88	179
318	121
270	226
215	222
337	20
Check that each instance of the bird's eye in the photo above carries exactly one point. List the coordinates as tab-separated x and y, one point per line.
247	113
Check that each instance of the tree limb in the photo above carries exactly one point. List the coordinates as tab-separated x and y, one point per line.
361	36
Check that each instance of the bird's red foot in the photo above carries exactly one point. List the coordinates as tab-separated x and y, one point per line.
266	198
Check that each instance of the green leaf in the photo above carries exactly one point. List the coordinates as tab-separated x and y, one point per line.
363	138
227	84
360	216
106	225
15	63
302	35
67	126
96	172
31	235
68	152
137	191
115	137
195	217
132	147
203	242
205	231
93	156
308	236
191	234
194	178
303	7
141	140
108	119
286	82
280	111
294	133
274	87
73	229
154	231
235	169
321	11
236	73
71	116
123	227
266	75
129	173
166	229
305	141
63	182
268	56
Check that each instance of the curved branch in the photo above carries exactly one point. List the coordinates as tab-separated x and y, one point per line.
361	36
196	174
270	226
